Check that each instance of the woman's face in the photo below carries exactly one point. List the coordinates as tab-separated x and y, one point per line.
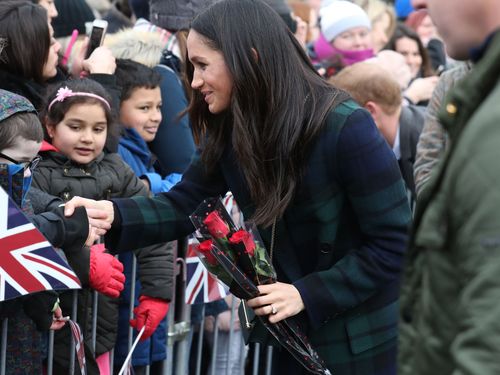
354	39
50	67
211	75
379	31
409	49
50	7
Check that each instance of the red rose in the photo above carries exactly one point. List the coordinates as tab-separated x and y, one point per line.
215	225
244	237
205	248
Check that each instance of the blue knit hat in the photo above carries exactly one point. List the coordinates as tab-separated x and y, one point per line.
11	103
403	8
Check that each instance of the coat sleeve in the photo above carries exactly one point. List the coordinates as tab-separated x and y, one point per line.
369	176
142	221
131	185
474	221
68	233
156	270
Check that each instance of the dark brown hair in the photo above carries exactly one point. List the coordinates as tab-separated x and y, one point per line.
60	108
403	31
25	28
278	105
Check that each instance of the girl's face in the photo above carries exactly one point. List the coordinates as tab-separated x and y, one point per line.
50	67
211	75
354	39
81	135
142	111
409	49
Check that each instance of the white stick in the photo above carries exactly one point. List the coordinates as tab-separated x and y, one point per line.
129	355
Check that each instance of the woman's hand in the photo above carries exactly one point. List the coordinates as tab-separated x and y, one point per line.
101	213
100	61
421	89
279	300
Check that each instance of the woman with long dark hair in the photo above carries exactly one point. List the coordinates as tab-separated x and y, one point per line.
407	42
304	162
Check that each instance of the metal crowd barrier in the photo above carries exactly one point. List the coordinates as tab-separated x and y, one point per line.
180	347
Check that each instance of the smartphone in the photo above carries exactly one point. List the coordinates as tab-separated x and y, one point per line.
97	34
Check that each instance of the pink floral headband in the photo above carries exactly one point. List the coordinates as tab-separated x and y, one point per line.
64	93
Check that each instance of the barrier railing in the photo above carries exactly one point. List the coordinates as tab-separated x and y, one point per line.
227	350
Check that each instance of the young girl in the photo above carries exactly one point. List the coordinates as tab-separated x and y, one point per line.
77	120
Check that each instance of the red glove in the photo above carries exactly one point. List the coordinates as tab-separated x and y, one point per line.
150	312
106	272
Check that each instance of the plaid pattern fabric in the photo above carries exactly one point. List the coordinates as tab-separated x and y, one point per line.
340	242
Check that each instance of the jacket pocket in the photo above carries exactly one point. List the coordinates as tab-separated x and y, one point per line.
369	330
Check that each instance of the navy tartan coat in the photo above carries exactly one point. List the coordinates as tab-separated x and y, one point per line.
341	241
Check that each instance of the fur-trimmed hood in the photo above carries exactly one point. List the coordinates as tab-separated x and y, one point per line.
141	46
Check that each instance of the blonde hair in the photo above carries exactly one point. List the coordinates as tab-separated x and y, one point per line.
369	82
378	8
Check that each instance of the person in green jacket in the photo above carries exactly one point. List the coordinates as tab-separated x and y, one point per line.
450	310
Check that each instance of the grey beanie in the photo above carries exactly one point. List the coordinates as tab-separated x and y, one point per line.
176	15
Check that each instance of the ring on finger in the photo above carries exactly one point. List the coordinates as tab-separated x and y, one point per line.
274	310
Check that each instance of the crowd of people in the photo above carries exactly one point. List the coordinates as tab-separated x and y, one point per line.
358	135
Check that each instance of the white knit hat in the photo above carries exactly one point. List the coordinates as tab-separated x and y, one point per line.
339	16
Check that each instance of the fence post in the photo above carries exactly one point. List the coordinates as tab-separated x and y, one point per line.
3	346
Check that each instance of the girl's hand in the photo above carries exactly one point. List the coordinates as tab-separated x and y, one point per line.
101	213
279	300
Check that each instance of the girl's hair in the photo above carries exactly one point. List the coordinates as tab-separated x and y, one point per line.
23	124
131	75
403	31
59	108
25	28
278	105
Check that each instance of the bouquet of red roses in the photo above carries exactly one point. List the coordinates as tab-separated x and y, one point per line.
238	258
235	256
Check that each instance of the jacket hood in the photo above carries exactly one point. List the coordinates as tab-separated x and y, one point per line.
133	142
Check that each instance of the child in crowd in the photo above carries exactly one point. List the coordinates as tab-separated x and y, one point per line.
21	136
77	121
140	116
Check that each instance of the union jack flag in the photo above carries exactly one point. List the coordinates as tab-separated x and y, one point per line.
28	263
201	285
